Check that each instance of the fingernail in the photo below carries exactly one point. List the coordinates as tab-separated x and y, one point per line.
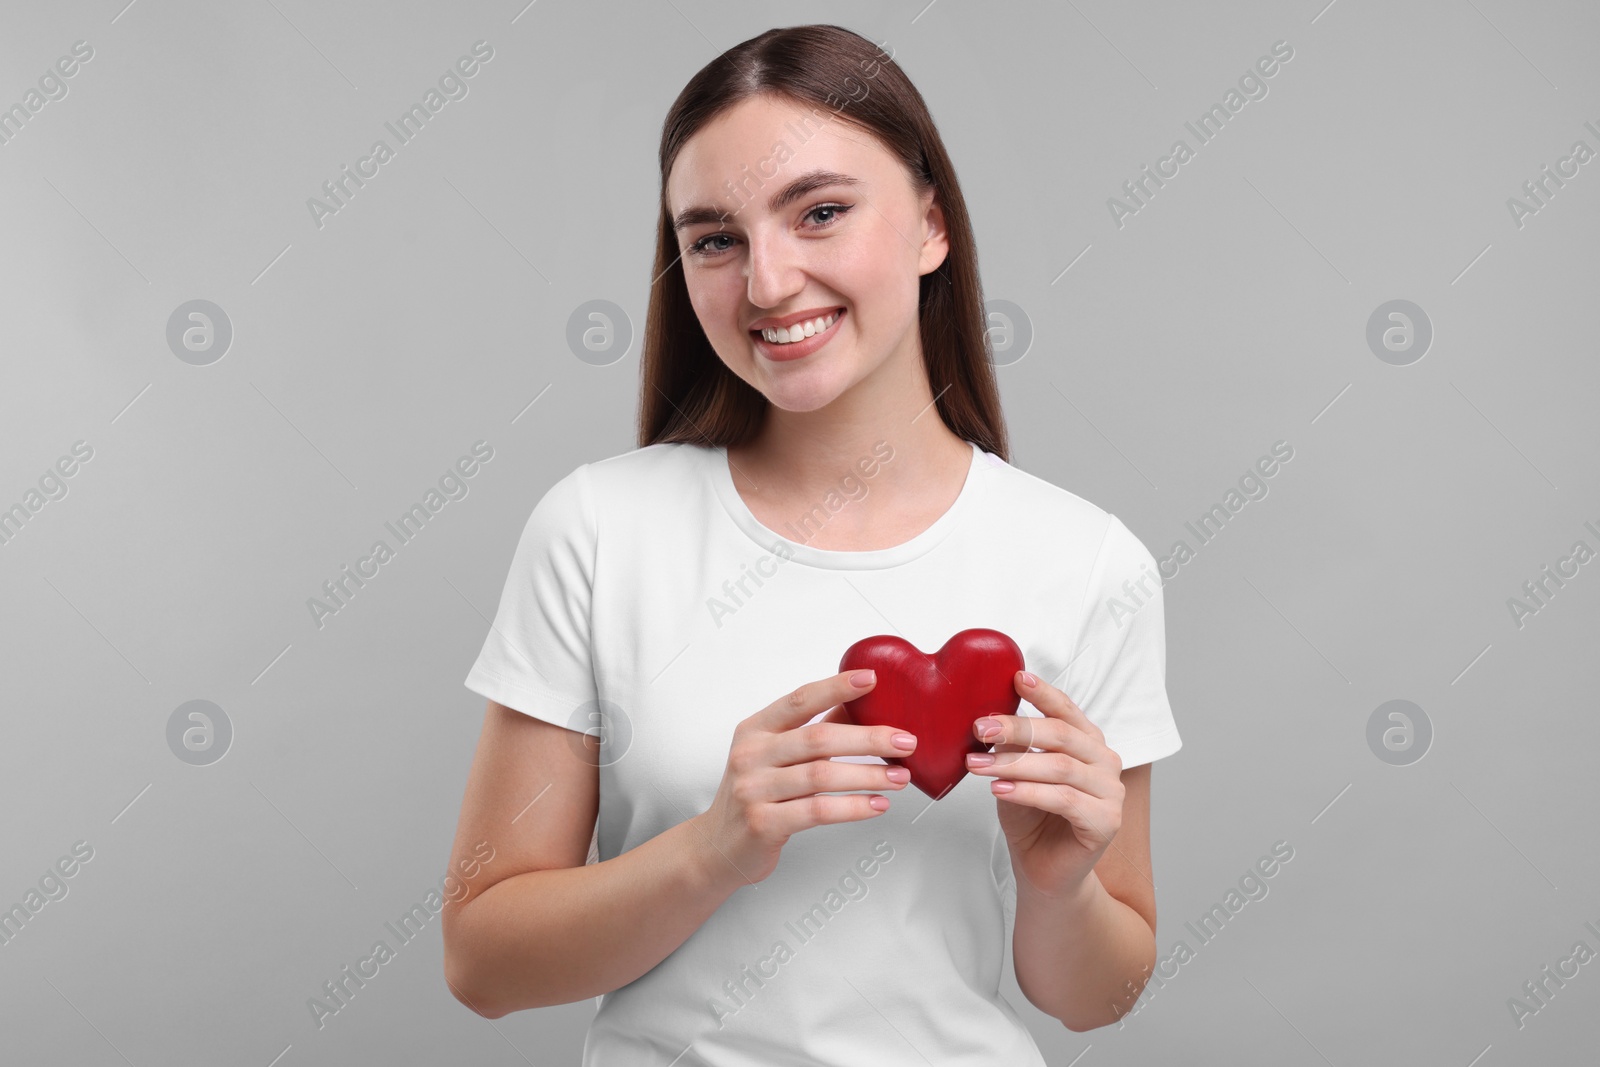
878	803
905	741
1002	787
1029	680
898	774
979	759
863	678
988	727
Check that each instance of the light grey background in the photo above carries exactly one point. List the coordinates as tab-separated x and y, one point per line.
431	312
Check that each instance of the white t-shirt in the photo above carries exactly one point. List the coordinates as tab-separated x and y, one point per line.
647	604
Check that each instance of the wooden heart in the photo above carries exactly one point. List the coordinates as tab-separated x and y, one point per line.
936	697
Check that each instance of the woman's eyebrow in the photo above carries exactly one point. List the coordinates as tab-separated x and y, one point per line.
809	182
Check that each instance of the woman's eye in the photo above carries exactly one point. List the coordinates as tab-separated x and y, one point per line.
702	247
698	248
839	211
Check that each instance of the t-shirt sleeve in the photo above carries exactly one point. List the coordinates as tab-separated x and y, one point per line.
1118	673
536	658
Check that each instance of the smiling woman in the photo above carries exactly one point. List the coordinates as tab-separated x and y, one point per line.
816	301
857	215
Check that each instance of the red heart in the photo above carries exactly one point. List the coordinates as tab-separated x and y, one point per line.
936	697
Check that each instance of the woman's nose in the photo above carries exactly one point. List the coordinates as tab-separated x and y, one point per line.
773	273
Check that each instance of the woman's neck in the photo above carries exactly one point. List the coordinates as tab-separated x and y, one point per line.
895	481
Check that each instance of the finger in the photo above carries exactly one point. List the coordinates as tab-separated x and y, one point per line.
829	776
1094	819
1050	768
1018	733
820	809
1056	704
825	739
796	707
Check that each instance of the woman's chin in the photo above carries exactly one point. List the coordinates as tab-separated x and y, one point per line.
796	398
794	407
807	390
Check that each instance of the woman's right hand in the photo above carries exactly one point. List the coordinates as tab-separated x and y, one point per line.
779	767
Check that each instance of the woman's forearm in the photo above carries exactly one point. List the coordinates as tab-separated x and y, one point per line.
1083	958
558	936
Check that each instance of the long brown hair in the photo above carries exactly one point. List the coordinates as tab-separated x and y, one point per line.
686	392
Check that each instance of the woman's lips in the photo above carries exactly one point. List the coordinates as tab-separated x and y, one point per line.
795	350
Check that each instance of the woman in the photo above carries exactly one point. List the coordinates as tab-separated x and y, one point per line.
821	458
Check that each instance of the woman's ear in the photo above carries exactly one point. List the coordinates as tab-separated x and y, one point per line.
935	235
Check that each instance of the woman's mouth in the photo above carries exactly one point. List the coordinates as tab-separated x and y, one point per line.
801	339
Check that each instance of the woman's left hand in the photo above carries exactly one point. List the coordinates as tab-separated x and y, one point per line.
1065	804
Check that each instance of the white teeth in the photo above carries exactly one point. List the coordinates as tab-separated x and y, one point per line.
799	331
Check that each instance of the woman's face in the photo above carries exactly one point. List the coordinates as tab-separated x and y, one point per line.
852	243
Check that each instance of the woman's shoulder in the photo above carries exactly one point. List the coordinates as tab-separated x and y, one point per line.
641	478
1047	499
1050	520
1061	518
600	493
643	467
